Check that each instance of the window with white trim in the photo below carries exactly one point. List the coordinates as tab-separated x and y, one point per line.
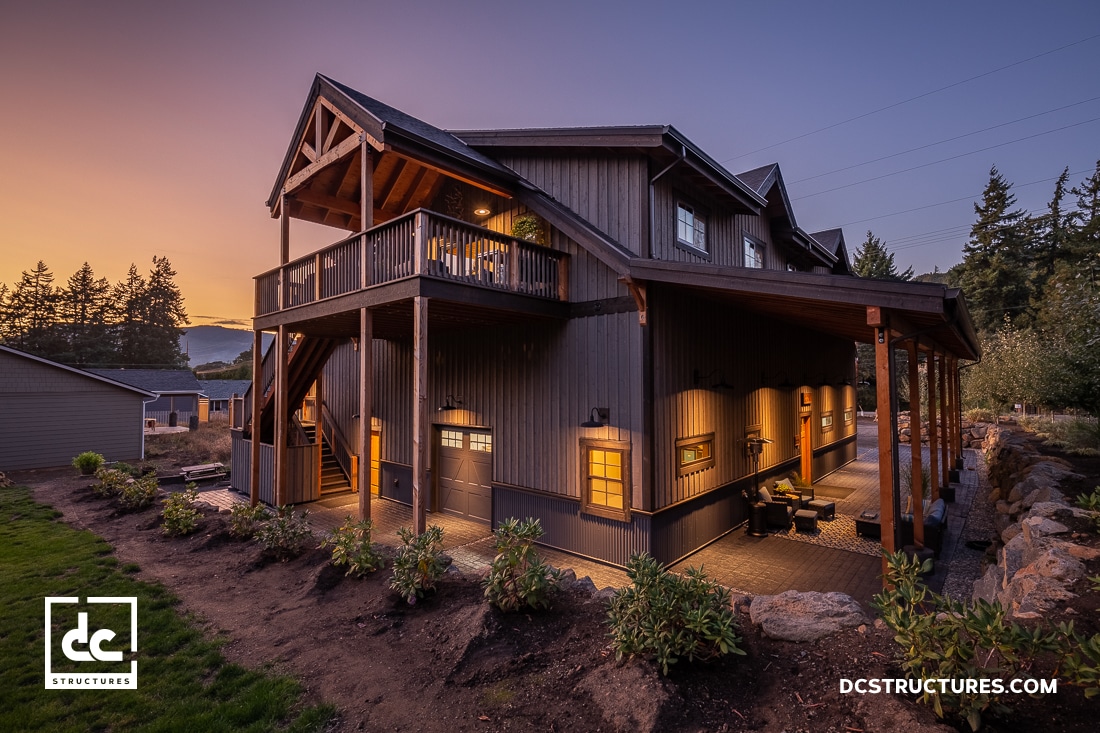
754	252
691	227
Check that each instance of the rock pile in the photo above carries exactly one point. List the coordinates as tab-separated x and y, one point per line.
972	433
1039	559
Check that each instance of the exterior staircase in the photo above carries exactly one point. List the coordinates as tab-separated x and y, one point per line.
307	357
333	479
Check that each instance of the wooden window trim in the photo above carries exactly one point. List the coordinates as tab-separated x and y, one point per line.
827	417
587	506
685	469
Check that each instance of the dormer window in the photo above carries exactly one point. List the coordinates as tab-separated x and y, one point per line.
754	252
691	227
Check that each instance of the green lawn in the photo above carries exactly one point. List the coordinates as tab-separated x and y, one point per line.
184	683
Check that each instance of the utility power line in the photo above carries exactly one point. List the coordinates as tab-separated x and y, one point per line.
913	99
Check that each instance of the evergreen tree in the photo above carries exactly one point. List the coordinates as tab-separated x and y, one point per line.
994	271
129	299
1052	233
874	261
31	314
85	308
1083	239
164	316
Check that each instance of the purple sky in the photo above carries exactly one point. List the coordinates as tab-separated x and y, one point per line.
131	129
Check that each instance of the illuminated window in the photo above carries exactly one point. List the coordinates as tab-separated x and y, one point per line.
826	421
754	252
691	227
606	478
451	439
481	442
694	454
849	415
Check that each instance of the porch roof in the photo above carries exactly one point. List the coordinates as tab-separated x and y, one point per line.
836	304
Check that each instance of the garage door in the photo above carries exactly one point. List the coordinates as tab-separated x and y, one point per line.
465	472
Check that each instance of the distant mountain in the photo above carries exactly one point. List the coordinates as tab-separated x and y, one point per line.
204	344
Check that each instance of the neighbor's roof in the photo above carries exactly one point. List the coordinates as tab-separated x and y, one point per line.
90	374
223	389
160	381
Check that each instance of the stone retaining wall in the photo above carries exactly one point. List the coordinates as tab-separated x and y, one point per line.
972	433
1037	557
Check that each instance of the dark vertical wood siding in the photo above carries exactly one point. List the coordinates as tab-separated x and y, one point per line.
49	414
301	470
755	356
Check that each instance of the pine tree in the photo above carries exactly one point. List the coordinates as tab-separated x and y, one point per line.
164	316
86	310
1052	232
995	269
1083	239
31	314
874	261
129	299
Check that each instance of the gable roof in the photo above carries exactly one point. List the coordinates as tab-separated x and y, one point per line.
223	389
90	374
159	381
833	241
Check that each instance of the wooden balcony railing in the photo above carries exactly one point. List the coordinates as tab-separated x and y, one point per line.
418	243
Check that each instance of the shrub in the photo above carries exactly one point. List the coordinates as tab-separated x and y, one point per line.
88	462
980	414
180	515
418	565
518	577
670	617
943	638
352	546
127	469
1091	502
244	520
137	493
284	534
109	482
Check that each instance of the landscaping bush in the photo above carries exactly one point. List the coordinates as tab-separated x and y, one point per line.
671	617
284	535
109	482
352	546
137	493
943	638
180	515
518	577
419	563
88	462
244	520
980	414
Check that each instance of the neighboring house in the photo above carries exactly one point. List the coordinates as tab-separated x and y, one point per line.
607	374
177	391
220	391
50	412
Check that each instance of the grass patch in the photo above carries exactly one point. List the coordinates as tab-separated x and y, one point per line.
184	683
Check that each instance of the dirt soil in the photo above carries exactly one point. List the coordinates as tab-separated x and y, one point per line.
451	663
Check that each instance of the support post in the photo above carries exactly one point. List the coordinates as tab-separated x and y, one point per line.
366	213
916	485
318	431
366	406
956	383
887	430
945	477
281	398
420	412
257	408
933	429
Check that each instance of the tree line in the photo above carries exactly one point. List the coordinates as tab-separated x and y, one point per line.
1032	285
92	323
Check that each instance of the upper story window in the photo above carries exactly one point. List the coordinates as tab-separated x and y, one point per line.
754	252
691	227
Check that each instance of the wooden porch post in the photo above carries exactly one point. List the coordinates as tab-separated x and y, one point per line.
257	407
366	406
281	398
366	187
420	413
956	385
933	429
917	482
945	477
318	430
284	230
887	430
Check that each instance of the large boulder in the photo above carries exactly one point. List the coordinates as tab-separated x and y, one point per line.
805	616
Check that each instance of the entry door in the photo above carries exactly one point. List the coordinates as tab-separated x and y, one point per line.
807	449
465	472
375	461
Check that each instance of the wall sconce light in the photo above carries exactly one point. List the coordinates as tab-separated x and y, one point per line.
698	378
482	211
786	383
598	418
449	404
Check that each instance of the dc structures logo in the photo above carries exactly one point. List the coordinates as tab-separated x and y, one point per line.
99	660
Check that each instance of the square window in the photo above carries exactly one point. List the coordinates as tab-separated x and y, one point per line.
605	484
691	227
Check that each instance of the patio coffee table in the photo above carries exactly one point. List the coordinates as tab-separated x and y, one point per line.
868	525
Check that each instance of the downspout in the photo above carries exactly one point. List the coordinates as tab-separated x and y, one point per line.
143	404
666	169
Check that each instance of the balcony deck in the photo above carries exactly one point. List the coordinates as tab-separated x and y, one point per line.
419	244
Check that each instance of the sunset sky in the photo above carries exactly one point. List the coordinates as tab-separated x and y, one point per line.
138	128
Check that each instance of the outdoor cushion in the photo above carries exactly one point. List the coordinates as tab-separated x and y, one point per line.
765	495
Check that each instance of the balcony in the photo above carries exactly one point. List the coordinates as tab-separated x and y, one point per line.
420	243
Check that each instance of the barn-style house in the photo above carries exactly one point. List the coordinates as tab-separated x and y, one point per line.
589	326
